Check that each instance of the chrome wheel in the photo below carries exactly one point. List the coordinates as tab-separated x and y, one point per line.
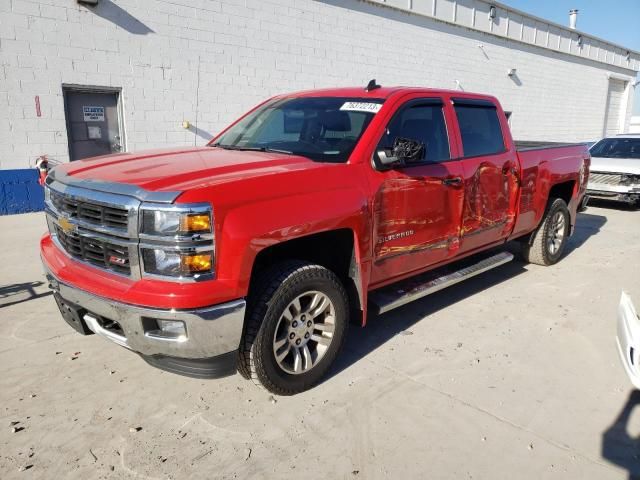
304	332
556	233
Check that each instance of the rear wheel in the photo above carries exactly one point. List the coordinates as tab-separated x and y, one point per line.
297	320
548	242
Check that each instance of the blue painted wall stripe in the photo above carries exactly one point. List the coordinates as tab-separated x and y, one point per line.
20	191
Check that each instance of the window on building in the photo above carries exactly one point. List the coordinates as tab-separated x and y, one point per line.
480	130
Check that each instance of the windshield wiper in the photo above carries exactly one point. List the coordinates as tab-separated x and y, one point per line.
252	149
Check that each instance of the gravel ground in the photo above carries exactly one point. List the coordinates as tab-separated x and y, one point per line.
513	374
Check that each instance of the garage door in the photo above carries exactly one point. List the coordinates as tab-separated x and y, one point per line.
614	107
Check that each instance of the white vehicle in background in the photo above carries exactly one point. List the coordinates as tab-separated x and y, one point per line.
615	169
628	338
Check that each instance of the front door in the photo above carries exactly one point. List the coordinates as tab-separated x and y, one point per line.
93	123
417	206
490	174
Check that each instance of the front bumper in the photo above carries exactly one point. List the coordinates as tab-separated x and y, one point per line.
212	334
620	193
628	339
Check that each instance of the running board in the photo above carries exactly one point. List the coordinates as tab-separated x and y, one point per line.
406	291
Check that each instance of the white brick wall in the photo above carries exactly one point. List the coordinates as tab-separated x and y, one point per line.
245	50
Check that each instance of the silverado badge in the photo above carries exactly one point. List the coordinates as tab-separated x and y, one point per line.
66	225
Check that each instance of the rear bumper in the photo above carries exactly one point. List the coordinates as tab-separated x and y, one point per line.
207	349
628	339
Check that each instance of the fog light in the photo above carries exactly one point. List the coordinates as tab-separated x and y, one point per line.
173	330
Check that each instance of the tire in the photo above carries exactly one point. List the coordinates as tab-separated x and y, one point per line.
294	306
547	244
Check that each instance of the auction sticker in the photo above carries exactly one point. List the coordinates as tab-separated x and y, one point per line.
361	107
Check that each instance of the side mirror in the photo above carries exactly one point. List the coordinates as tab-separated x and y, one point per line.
405	150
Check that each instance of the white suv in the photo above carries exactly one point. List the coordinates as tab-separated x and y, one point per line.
615	169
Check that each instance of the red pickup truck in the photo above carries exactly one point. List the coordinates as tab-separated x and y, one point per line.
252	253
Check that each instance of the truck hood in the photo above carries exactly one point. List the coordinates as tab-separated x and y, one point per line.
615	165
182	168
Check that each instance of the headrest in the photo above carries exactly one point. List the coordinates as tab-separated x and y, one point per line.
336	121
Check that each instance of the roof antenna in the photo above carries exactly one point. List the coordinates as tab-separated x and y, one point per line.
372	85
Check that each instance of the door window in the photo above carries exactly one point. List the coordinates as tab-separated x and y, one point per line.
424	123
480	130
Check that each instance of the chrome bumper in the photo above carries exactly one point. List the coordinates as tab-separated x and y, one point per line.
628	339
210	331
614	192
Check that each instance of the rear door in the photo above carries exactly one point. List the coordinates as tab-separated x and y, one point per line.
418	206
490	174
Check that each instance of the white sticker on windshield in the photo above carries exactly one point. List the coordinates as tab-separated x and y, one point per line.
361	107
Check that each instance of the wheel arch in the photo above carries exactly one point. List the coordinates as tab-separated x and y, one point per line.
336	250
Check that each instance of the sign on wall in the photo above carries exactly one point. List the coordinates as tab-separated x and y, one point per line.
93	114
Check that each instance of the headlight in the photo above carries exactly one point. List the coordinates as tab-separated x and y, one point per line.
177	241
172	263
173	222
629	179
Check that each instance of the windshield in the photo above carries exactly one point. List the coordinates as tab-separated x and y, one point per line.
617	148
325	129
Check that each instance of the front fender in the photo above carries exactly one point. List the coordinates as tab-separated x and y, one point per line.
249	228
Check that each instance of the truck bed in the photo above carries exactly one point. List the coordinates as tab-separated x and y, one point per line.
524	145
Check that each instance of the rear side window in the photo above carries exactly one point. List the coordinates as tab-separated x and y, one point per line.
424	123
480	130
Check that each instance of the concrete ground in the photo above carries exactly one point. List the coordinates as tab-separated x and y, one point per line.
513	374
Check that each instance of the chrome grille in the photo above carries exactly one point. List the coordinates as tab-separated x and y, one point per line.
98	252
100	215
605	178
97	228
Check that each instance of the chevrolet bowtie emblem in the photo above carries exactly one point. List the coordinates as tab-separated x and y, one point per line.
66	225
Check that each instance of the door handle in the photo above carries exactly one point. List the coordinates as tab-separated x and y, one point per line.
452	182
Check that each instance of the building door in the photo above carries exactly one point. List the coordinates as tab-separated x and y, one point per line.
614	109
93	123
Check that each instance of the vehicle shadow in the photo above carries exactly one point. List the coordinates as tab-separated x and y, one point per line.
382	328
618	446
20	292
587	225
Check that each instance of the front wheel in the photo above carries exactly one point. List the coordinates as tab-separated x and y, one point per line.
548	242
296	324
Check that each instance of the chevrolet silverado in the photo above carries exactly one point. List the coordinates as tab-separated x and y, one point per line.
253	253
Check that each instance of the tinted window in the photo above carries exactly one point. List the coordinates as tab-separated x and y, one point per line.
480	130
424	123
617	148
322	128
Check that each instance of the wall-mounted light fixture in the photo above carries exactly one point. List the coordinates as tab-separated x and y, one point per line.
492	12
512	72
88	2
580	41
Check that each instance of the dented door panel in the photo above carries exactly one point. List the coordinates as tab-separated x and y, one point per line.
416	218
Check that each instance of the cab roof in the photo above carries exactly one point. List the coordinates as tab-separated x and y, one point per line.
379	93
